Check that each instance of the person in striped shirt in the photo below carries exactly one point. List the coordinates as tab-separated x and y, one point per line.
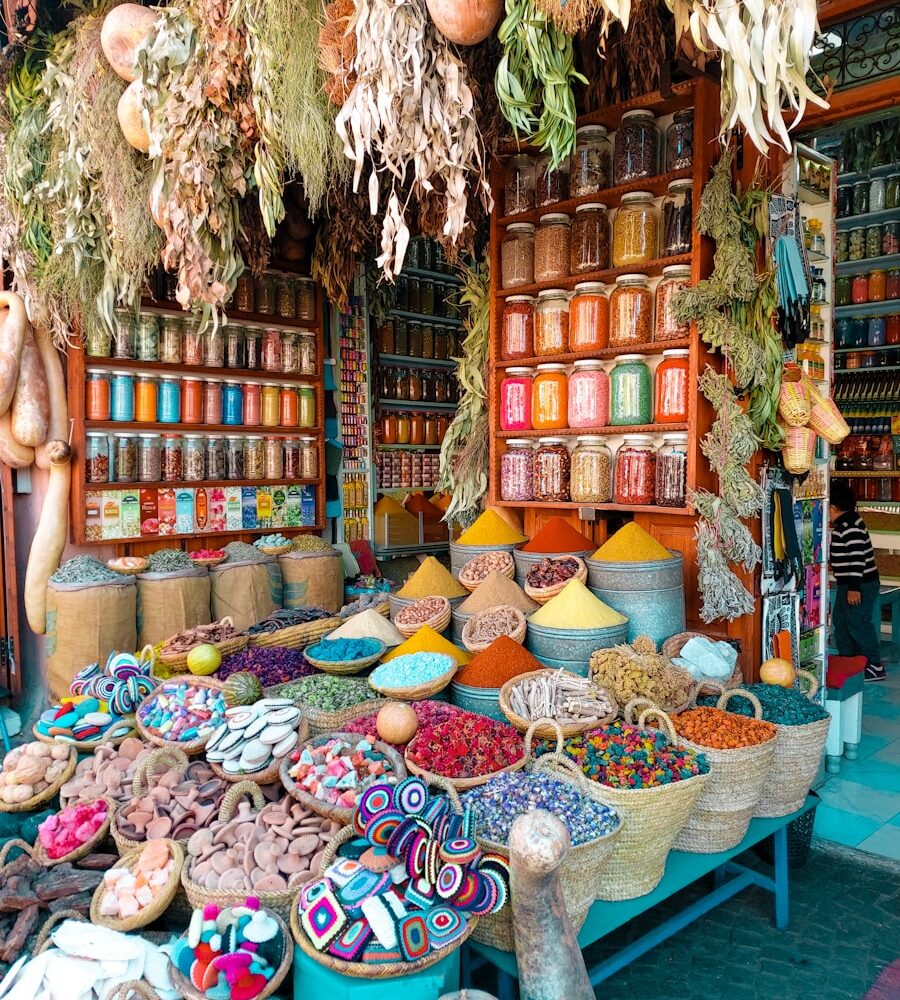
853	564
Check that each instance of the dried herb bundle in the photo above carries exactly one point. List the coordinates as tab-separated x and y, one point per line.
337	47
350	231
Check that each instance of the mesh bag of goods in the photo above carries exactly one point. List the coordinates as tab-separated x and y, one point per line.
172	596
91	611
313	579
246	587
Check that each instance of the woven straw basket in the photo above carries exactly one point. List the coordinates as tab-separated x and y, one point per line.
507	569
140	784
794	404
297	636
540	595
50	790
546	728
146	914
418	692
517	634
342	668
729	800
799	449
178	661
190	747
673	646
825	418
43	858
438	621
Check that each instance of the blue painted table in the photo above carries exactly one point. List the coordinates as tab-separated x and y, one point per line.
681	870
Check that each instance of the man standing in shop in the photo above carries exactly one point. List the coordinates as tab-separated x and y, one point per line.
858	587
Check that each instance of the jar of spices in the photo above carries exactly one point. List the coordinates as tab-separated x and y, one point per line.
892	191
892	284
590	476
243	294
518	192
630	391
590	238
552	247
674	278
98	341
515	399
589	317
635	478
290	353
859	326
874	239
516	256
291	458
271	350
842	247
843	285
590	166
146	338
307	406
430	381
441	343
861	198
149	458
285	301
126	458
550	185
170	341
635	230
215	458
551	323
433	429
877	286
415	340
124	339
400	384
191	344
680	141
549	398
289	406
172	458
307	353
442	388
426	296
273	457
427	340
857	244
890	241
232	403
264	294
254	457
271	406
417	428
588	403
234	457
672	380
517	471
843	336
860	289
96	459
415	385
677	214
386	338
146	399
252	404
194	457
252	350
234	346
551	470
631	311
309	458
637	147
97	396
877	332
191	400
403	428
122	397
892	329
306	300
877	193
671	471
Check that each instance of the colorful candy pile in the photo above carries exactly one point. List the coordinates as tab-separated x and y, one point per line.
230	953
336	771
428	712
408	886
130	890
30	769
253	736
410	670
82	719
182	713
343	650
467	746
67	830
782	706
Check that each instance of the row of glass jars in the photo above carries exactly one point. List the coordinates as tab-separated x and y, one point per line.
878	240
867	331
640	474
413	428
426	254
126	397
874	286
419	384
427	296
597	163
172	458
561	246
411	339
273	295
592	317
866	196
554	397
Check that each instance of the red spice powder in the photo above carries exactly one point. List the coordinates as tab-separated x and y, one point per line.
558	535
494	666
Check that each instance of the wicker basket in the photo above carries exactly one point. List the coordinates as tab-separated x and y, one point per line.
438	621
673	646
50	791
546	728
140	784
825	418
40	854
794	404
275	550
191	747
346	667
178	661
798	450
43	941
517	634
297	636
340	814
540	595
730	798
417	692
85	746
114	565
153	910
125	990
507	569
207	561
269	775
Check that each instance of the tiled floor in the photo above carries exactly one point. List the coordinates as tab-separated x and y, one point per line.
861	805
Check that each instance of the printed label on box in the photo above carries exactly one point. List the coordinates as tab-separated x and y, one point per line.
234	518
201	509
131	513
217	513
249	517
93	515
279	506
112	514
165	500
184	512
292	513
307	505
149	512
264	506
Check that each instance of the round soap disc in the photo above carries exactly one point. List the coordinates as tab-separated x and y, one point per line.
275	734
257	726
281	716
285	746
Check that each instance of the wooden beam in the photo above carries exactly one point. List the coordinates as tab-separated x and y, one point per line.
879	95
834	11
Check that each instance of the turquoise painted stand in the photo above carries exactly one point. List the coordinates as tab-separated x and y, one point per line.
314	982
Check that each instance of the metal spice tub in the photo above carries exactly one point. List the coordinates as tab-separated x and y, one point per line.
525	560
461	554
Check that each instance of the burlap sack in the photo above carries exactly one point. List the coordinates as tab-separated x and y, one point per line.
85	623
313	580
245	591
168	603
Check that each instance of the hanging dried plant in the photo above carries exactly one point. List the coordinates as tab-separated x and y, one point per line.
572	16
481	61
254	244
349	232
337	48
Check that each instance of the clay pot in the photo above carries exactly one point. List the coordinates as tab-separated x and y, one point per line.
465	22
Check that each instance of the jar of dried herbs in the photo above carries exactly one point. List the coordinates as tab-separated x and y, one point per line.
254	457
677	212
517	255
194	457
590	477
590	165
551	470
519	189
552	247
637	147
126	458
680	141
551	184
590	238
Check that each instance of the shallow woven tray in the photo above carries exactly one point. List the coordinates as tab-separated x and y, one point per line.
86	745
269	775
127	570
51	790
346	667
418	692
673	646
153	910
509	571
208	561
540	595
40	854
297	636
438	621
461	784
194	746
545	729
226	647
274	550
517	634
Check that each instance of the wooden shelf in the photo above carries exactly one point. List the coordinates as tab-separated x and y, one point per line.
399	359
418	272
652	348
407	447
162	368
865	475
197	483
257	320
568	505
238	430
885	308
200	536
409	404
607	431
652	269
418	317
868	219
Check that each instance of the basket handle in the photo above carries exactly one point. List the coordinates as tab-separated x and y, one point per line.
447	787
43	938
557	762
726	696
15	842
628	712
147	656
664	718
167	756
557	730
235	794
808	678
124	990
343	836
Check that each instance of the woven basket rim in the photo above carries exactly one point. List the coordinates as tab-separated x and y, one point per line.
418	692
508	570
292	635
346	666
517	634
226	647
269	775
42	857
547	731
463	784
154	909
194	746
113	741
543	594
51	790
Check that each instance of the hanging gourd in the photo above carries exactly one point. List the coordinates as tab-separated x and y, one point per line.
465	22
128	112
124	28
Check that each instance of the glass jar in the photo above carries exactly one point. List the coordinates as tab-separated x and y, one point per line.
892	329
403	428
252	350
551	470
234	346
122	397
414	294
635	478
146	399
271	406
843	289
860	289
680	141
309	458
516	256
291	459
234	457
232	403
306	300
890	240
426	296
254	457
630	391
96	459
97	395
549	398
861	198
635	230
550	185
671	471
433	429
146	338
892	284
552	247
892	191
590	239
857	246
672	380
264	294
589	317
674	278
589	170
877	194
243	294
427	340
636	147
590	476
252	404
124	339
169	400
443	388
517	471
677	218
273	457
212	402
415	385
877	286
876	335
874	239
417	428
172	458
271	350
190	343
551	323
194	457
307	406
442	340
191	401
859	327
630	311
844	200
588	402
518	193
400	377
215	458
98	341
285	300
149	458
842	247
170	341
843	332
307	352
515	399
288	406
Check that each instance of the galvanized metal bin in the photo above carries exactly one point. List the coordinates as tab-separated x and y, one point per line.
461	554
484	701
571	648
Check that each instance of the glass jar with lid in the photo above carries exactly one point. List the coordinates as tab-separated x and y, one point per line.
288	406
590	475
146	399
590	239
890	240
124	340
271	350
874	240
859	289
254	457
635	230
589	317
589	170
146	338
170	330
518	193
234	346
285	299
588	403
271	405
427	340
551	470
861	198
306	300
517	255
291	458
680	141
843	289
672	380
307	406
253	349
414	294
857	244
126	458
274	458
552	247
121	405
172	458
307	353
515	399
630	311
551	323
232	403
96	459
214	349
842	247
877	194
98	340
264	294
417	428
674	278
185	343
517	471
251	412
415	384
169	401
551	185
549	398
234	457
149	458
243	293
892	191
630	391
309	458
877	285
290	353
97	395
677	218
426	296
442	341
844	200
194	457
671	471
636	147
191	400
635	476
215	458
892	284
